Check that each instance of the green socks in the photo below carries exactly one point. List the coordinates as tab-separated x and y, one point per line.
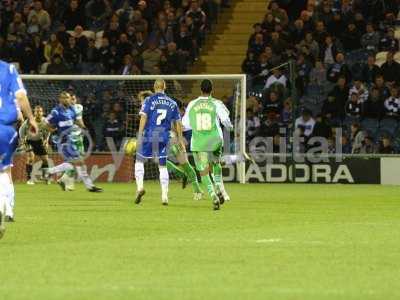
175	169
191	174
206	180
217	175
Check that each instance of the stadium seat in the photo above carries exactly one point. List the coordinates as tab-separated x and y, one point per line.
370	124
389	125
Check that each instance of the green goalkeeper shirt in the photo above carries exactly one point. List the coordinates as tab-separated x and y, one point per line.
204	116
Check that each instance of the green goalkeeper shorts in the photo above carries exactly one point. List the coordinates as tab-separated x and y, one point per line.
204	159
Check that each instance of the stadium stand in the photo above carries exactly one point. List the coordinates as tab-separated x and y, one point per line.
347	70
121	37
346	54
104	36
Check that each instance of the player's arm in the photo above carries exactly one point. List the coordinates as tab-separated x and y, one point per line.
142	125
186	119
17	88
144	94
80	123
23	132
51	121
178	128
144	112
223	115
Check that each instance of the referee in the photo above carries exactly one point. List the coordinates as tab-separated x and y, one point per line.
36	144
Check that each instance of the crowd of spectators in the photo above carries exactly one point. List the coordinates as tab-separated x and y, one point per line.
104	36
346	75
122	37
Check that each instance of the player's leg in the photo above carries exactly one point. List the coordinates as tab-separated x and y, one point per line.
81	170
172	166
219	183
8	145
164	179
4	181
175	169
72	152
202	165
65	166
10	193
45	166
216	169
30	158
139	178
182	158
68	178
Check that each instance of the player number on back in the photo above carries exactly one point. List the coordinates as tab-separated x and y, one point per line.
162	113
203	122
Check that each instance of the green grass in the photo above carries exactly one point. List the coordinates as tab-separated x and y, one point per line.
269	242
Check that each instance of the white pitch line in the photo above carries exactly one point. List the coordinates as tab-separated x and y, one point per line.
269	241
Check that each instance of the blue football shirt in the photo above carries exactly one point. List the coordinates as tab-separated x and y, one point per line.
161	111
10	85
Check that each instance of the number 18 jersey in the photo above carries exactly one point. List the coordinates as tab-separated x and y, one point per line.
204	115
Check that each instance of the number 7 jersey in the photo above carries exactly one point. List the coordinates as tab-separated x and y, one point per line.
204	116
161	111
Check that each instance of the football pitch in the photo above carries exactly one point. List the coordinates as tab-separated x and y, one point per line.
269	242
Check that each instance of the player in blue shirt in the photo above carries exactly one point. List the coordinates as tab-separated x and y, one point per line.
63	119
159	114
13	101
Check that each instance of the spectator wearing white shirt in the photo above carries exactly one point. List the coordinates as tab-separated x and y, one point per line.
253	123
392	104
359	89
305	123
354	106
276	78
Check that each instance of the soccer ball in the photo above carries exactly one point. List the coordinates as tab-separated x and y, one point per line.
130	146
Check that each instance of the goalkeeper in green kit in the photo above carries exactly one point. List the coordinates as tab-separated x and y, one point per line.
204	116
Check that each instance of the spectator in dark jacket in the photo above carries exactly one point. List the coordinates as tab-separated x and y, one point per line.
272	103
257	47
370	71
328	51
250	65
339	69
73	15
388	42
384	91
370	40
351	38
385	145
72	55
330	109
341	94
391	69
373	107
57	66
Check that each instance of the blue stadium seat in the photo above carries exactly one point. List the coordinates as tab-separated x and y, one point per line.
370	124
389	125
